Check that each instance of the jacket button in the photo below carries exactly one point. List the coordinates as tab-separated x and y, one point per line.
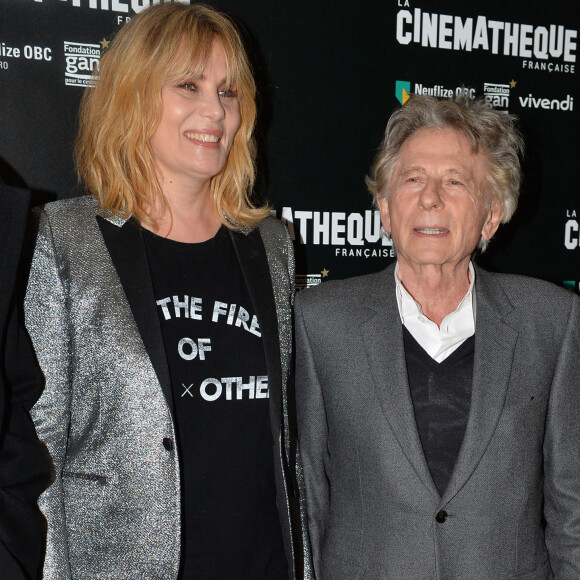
168	443
441	516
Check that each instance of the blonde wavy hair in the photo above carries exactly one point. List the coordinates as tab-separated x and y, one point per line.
120	112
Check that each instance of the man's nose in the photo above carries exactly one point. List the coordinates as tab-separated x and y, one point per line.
432	195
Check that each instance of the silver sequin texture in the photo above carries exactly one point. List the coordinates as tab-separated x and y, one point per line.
113	510
283	282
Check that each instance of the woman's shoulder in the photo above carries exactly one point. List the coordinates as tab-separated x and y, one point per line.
73	206
68	218
272	227
73	212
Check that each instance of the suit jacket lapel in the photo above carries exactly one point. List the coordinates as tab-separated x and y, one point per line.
495	344
383	340
127	250
254	264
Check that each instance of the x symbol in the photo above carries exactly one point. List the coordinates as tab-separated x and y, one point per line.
187	392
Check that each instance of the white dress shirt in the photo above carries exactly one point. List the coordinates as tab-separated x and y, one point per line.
438	341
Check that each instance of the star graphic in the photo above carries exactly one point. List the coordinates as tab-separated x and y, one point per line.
104	43
324	272
513	84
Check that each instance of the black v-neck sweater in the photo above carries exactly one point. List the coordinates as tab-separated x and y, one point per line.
441	395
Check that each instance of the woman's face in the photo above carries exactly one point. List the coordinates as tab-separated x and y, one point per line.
198	124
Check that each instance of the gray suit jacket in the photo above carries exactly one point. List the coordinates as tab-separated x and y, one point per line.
512	507
113	510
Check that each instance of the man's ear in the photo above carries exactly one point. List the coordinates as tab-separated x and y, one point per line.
492	220
385	214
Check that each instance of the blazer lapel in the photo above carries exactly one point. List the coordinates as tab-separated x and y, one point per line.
495	344
254	265
127	250
383	339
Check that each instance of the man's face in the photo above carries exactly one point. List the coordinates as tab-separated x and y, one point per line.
436	211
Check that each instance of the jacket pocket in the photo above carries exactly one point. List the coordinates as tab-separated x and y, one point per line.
542	572
101	479
339	568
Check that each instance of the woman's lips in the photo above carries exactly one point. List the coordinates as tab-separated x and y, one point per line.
203	137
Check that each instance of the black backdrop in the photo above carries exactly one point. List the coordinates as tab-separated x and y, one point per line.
329	75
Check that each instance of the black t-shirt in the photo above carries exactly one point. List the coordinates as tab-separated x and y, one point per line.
231	527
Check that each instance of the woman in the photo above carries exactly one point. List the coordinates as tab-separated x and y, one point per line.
159	307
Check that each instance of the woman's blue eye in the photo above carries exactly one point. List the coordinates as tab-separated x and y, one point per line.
228	93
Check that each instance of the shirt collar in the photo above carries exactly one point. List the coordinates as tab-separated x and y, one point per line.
440	341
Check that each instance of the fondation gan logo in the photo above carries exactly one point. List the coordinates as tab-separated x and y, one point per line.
304	281
498	95
81	60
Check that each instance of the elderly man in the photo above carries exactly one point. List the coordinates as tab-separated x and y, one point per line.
439	404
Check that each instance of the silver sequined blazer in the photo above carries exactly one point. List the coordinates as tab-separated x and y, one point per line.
113	510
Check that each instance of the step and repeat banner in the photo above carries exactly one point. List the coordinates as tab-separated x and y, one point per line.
329	75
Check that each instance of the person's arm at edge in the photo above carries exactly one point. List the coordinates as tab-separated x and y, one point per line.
562	457
312	438
46	319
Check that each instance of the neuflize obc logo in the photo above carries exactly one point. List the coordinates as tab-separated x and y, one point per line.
402	91
81	60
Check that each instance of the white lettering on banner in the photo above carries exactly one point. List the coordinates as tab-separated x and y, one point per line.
532	102
232	388
81	60
37	53
366	253
510	39
9	51
29	52
441	91
117	5
75	64
497	95
549	66
571	237
333	228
